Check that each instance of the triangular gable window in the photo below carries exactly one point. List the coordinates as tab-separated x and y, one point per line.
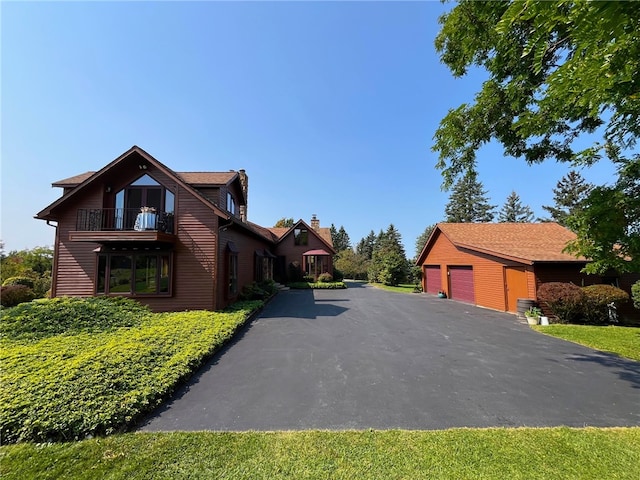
144	181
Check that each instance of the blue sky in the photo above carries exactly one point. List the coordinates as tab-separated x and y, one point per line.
331	107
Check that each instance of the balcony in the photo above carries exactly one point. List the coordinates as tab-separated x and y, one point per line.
104	225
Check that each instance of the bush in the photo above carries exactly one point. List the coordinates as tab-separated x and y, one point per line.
308	278
26	281
338	276
12	295
319	285
635	294
325	278
597	299
69	386
70	315
565	300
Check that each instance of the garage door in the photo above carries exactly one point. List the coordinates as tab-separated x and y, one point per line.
461	284
433	278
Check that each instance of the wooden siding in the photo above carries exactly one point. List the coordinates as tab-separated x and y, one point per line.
194	254
246	246
293	253
488	272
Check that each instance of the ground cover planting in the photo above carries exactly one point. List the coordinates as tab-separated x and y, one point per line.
78	367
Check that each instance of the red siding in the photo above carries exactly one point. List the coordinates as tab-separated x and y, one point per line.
293	253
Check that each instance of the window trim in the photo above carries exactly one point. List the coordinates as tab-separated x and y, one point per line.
301	236
133	254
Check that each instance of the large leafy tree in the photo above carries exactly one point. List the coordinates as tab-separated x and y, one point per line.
469	202
284	223
514	211
568	196
558	72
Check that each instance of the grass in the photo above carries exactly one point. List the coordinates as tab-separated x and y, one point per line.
521	453
622	341
402	288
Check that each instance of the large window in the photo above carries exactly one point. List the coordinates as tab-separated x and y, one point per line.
134	273
145	192
300	236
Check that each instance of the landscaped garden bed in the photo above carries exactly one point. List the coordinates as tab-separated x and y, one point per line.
78	367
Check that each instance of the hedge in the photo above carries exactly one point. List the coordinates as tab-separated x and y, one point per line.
68	386
317	285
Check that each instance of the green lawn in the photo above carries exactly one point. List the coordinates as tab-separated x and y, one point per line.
402	288
523	453
623	341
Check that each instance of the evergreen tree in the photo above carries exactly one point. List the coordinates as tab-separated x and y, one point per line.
388	264
468	202
569	194
422	239
514	212
340	238
366	245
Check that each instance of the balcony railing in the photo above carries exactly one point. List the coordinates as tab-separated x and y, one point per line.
123	219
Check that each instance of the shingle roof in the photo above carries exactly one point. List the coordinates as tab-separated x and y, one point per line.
192	178
532	242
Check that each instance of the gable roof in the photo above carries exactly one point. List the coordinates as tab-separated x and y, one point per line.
200	179
324	234
522	242
87	179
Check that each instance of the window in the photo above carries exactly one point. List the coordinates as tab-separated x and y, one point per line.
144	192
233	273
134	273
231	204
300	236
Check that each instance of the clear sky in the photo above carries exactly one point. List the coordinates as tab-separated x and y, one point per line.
331	107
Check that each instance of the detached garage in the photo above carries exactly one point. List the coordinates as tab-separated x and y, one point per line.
493	264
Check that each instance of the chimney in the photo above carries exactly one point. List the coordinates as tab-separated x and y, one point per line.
315	223
244	182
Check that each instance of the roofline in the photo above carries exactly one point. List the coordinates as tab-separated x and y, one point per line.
46	212
309	228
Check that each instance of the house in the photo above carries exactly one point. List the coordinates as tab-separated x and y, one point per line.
494	264
173	240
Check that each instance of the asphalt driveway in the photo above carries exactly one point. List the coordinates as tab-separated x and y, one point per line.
367	358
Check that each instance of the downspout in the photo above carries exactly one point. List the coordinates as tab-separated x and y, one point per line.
54	266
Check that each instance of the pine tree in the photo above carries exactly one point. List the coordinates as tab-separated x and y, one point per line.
366	245
514	212
468	202
422	239
340	238
388	263
570	192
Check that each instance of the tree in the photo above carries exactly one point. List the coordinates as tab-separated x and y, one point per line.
514	212
366	245
569	195
284	223
468	202
608	224
352	264
388	263
421	241
340	238
558	72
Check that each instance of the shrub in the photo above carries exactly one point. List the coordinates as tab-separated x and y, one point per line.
565	300
257	291
597	299
308	278
69	386
42	287
635	294
338	276
26	281
70	315
12	295
325	278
